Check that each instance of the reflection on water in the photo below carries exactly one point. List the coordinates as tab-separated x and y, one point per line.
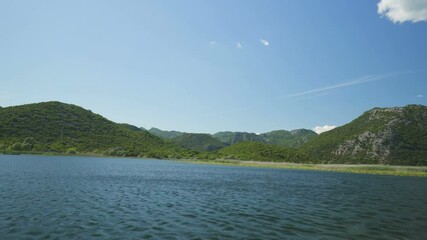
80	197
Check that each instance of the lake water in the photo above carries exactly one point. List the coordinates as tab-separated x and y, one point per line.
87	198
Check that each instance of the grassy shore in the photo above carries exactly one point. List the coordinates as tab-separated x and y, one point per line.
416	171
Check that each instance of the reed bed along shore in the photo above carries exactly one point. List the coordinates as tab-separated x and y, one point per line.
417	171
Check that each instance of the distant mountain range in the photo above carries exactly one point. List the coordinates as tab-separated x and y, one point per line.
165	134
396	136
207	142
292	138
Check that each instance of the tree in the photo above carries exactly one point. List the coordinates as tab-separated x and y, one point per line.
16	146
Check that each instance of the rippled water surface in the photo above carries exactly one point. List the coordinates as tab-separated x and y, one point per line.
86	198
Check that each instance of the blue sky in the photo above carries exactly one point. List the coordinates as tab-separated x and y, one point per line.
208	66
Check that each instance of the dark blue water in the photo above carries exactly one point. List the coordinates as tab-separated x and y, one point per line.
86	198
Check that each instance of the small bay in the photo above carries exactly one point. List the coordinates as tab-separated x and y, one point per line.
57	197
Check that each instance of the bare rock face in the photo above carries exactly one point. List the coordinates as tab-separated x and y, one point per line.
371	145
374	145
378	113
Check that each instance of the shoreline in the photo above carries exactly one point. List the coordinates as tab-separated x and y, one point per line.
388	170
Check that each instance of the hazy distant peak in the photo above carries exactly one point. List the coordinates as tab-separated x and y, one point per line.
301	131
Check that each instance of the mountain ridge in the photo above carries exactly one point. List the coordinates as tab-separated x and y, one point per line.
388	136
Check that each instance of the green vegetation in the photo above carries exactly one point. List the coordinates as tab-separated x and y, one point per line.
198	142
386	136
231	138
132	127
65	128
262	152
292	138
396	136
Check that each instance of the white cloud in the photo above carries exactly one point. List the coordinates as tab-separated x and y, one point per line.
239	45
399	11
212	43
264	42
322	129
357	81
420	96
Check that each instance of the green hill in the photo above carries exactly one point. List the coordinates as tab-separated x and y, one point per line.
59	127
199	142
263	152
396	136
165	134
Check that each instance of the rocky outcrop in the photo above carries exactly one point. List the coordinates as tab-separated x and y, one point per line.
395	135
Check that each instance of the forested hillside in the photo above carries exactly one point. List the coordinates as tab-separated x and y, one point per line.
199	142
60	127
263	152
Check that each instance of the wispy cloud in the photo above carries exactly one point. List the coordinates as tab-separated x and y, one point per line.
322	129
264	42
399	11
212	43
353	82
239	45
420	96
304	97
